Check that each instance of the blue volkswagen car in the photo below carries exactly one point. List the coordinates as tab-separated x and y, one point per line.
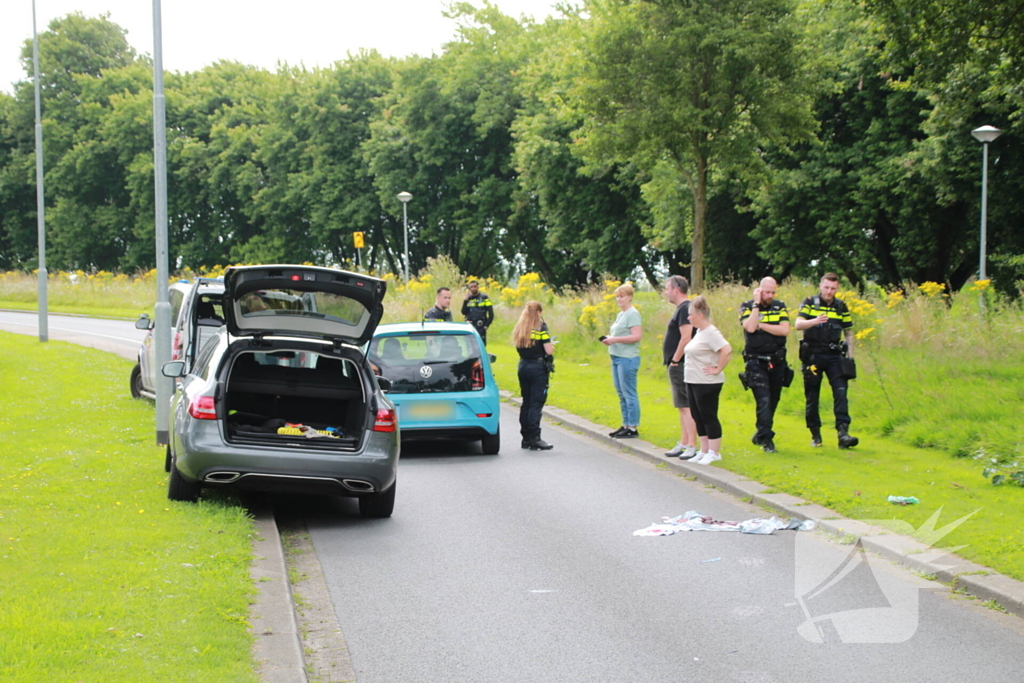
441	381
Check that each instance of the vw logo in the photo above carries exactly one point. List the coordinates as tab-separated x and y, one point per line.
426	371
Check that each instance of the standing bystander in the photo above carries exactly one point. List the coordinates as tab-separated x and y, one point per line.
623	342
679	332
707	354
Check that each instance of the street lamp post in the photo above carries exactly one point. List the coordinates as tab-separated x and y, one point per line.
42	277
984	135
404	197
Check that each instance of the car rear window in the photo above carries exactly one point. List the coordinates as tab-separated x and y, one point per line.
287	302
428	363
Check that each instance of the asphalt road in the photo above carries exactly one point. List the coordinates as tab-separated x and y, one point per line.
524	567
115	336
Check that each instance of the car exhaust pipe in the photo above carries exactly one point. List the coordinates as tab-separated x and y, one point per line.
358	485
222	477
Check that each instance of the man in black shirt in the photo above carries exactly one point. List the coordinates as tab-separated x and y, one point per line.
440	313
765	323
679	332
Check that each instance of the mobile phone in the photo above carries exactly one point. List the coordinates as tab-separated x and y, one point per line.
602	337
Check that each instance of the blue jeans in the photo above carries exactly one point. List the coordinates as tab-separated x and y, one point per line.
624	372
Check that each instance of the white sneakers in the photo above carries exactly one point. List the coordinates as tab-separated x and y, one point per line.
707	458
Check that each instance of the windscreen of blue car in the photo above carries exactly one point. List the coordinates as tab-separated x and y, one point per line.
419	363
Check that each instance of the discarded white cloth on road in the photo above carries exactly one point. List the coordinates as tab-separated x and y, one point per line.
694	521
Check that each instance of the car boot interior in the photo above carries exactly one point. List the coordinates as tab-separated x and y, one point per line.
295	396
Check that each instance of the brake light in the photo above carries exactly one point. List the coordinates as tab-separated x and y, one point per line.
202	408
476	377
386	421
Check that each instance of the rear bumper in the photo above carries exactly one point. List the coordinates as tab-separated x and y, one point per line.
212	462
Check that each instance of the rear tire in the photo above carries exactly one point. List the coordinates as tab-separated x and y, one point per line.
378	505
179	488
137	381
491	444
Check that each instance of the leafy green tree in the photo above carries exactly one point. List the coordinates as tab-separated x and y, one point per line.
444	135
685	87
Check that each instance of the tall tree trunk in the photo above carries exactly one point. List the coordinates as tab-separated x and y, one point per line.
700	212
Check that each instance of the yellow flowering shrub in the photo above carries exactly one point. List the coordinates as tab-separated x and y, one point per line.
932	289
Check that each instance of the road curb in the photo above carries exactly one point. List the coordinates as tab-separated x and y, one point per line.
962	575
277	644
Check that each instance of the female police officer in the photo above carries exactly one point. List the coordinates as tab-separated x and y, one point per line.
532	341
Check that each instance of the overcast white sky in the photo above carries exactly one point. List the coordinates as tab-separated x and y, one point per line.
258	32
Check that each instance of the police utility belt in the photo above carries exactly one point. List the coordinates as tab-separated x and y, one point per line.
808	349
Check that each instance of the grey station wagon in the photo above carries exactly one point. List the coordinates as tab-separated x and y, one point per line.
282	397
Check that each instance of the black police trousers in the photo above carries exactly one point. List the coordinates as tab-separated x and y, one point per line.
821	365
766	384
533	385
481	329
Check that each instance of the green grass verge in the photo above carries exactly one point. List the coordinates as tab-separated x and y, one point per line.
855	482
104	579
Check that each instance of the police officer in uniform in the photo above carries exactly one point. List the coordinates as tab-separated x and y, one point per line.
478	310
765	323
440	313
828	339
536	353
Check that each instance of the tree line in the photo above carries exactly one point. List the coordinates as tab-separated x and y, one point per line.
723	140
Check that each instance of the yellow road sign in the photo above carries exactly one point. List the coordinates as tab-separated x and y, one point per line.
358	237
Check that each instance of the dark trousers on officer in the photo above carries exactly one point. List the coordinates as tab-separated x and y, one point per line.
481	328
765	379
533	385
825	365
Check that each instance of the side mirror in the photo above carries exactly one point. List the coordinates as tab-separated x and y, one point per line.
174	368
492	357
384	383
144	323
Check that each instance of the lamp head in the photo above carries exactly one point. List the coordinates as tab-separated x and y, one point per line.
404	197
986	133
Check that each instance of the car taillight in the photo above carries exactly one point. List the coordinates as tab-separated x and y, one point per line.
386	421
202	408
476	377
176	346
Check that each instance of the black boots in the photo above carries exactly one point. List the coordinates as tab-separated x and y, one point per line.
537	445
845	440
815	438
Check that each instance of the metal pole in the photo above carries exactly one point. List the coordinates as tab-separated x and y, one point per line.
405	223
40	196
984	208
162	330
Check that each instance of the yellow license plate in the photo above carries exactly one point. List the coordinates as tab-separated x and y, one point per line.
431	410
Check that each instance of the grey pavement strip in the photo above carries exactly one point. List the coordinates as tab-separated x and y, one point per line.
975	579
277	647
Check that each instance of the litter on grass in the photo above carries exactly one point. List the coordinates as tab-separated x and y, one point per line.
694	521
903	500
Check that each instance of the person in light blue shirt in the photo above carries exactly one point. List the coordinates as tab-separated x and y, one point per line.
623	342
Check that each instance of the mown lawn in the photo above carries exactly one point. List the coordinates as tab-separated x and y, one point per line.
104	579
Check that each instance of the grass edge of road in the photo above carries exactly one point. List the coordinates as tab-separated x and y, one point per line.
105	579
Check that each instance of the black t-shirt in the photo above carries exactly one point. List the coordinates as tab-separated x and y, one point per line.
679	318
536	349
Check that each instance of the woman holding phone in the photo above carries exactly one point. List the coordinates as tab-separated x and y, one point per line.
623	342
